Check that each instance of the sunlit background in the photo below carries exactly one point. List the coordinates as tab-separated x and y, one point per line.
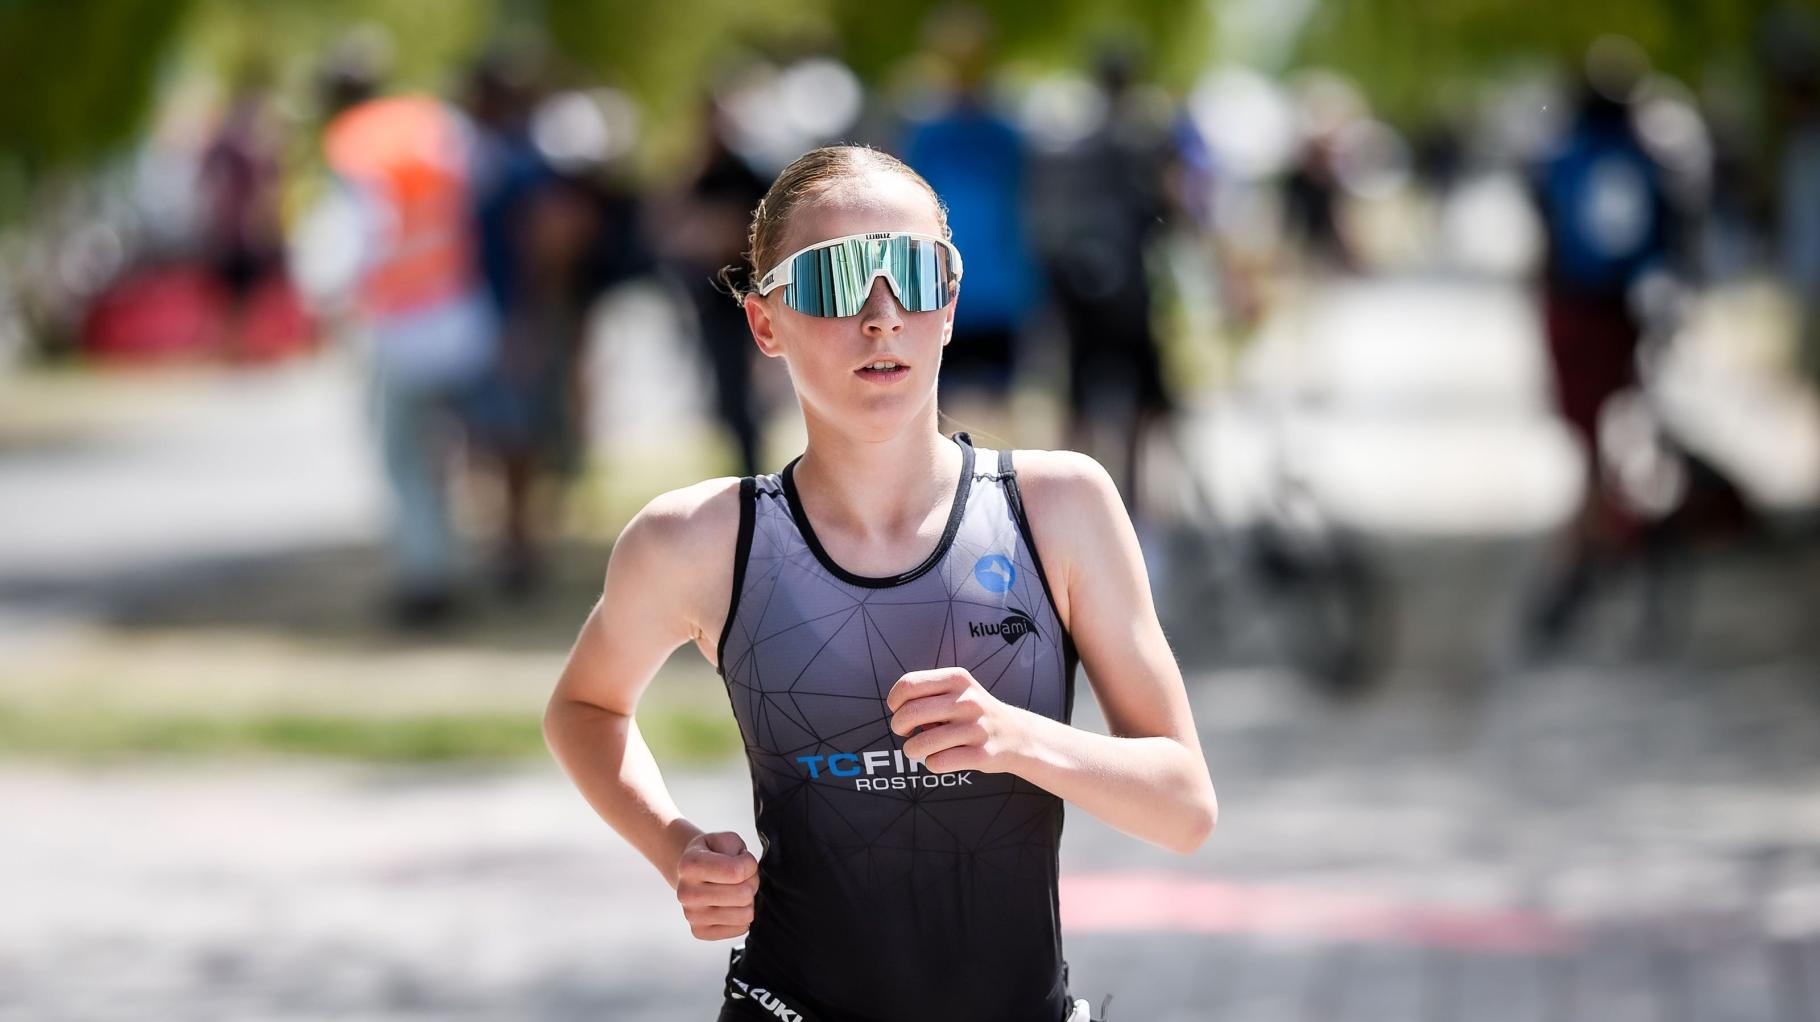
1457	362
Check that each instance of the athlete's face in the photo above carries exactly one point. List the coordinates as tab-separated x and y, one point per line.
827	357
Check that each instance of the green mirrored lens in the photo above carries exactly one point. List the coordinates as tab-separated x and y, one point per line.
835	281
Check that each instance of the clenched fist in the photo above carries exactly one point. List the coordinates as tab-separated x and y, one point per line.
717	880
955	723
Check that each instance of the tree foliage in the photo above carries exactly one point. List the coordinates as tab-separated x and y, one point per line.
75	78
1404	52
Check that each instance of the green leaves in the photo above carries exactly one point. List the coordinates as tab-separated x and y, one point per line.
76	78
1405	53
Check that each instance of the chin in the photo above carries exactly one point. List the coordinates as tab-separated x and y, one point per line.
881	417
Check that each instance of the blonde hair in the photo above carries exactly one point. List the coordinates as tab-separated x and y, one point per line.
807	176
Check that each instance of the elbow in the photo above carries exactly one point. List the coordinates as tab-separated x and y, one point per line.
555	716
1200	824
576	723
549	728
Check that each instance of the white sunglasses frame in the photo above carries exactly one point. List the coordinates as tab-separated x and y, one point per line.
780	275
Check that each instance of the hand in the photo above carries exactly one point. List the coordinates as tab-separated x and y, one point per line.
717	880
954	723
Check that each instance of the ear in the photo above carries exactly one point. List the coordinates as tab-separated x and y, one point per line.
948	316
764	327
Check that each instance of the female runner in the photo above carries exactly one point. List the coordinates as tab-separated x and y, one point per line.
897	616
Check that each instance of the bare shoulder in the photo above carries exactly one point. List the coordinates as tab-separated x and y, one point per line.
1061	484
689	514
679	548
655	594
1072	506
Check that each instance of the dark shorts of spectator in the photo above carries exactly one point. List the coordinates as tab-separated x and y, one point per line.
529	415
980	360
241	268
1113	360
1592	348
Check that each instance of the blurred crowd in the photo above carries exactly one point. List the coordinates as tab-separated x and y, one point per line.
1122	240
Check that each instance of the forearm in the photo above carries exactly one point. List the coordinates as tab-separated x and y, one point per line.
1153	788
607	758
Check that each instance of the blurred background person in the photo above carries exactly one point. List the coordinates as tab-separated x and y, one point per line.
976	160
1313	192
1196	241
701	234
518	410
552	236
1103	205
240	177
1606	218
405	163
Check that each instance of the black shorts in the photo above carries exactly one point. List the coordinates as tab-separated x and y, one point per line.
981	360
240	268
1113	358
746	1000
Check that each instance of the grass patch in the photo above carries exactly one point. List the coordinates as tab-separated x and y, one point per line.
675	734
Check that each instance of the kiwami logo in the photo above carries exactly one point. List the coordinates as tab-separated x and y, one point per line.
1011	629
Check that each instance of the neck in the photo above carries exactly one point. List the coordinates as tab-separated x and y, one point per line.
878	488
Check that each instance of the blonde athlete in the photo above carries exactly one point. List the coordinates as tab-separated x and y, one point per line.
897	616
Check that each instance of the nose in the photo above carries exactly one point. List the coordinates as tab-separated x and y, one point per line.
881	314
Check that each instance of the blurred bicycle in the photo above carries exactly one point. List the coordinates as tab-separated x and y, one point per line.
1285	570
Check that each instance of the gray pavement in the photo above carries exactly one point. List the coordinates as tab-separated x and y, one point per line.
1577	842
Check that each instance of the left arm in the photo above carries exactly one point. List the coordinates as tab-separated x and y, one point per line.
1148	778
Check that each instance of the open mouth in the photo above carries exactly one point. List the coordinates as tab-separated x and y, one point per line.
884	370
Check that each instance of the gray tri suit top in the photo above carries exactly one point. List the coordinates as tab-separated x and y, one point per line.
888	892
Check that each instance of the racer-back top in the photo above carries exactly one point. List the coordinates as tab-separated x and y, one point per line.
889	892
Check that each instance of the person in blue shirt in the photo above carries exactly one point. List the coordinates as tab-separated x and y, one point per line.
975	160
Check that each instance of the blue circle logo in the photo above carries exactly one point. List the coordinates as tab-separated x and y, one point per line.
995	572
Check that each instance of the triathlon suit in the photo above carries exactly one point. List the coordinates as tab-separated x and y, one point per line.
889	892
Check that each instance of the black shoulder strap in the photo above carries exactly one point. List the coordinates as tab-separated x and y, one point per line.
742	550
1014	497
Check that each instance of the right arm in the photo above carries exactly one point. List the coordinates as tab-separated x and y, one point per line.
659	592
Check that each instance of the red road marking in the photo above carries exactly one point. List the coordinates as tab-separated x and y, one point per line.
1125	902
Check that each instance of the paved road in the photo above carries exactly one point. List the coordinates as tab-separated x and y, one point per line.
1580	842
